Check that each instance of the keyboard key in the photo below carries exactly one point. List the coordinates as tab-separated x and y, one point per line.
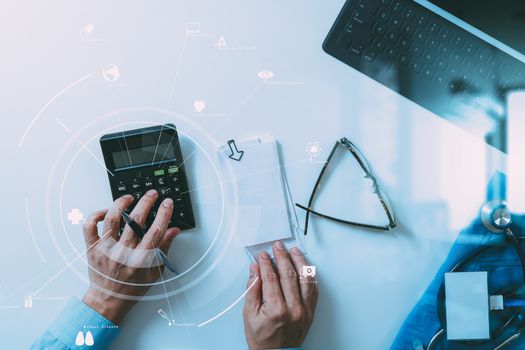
360	16
408	29
420	35
367	7
469	48
417	50
428	72
358	20
395	22
445	34
440	64
454	86
458	41
481	71
404	44
391	37
429	58
440	79
444	50
421	20
379	29
383	16
432	43
378	45
433	27
357	32
404	59
453	70
494	64
416	67
392	52
370	56
397	6
482	55
408	14
357	48
456	57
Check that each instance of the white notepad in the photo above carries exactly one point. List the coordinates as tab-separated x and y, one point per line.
467	306
265	213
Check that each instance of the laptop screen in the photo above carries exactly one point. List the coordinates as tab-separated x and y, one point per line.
504	20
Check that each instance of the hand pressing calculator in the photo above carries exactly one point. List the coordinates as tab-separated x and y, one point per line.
149	158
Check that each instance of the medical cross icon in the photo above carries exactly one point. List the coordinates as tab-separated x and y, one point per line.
75	216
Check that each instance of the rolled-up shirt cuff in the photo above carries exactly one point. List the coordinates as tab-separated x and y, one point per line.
80	327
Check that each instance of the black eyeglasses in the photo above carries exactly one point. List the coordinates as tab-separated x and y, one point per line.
361	160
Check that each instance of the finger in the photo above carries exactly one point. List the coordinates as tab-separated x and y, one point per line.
90	227
168	237
139	214
287	275
253	299
271	290
112	219
154	235
308	284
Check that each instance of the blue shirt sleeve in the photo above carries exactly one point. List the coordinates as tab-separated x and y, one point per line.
78	327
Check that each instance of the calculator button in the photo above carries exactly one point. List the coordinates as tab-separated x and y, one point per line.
121	187
137	195
135	185
148	183
160	172
175	178
173	169
165	191
161	181
178	200
177	189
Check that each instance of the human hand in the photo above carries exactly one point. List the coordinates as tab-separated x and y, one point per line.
120	268
279	307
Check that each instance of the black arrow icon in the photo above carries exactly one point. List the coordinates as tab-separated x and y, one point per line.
236	154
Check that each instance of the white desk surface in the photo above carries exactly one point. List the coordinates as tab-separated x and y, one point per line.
53	93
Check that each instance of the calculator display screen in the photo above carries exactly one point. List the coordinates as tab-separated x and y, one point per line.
143	155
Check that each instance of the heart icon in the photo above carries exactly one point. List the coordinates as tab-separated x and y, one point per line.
199	106
265	75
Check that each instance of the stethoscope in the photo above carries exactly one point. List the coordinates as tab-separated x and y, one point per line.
496	217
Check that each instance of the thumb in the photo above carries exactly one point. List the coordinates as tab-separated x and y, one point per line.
168	237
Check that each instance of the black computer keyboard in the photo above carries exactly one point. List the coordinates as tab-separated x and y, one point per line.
432	60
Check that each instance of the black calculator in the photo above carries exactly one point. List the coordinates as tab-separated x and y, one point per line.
149	158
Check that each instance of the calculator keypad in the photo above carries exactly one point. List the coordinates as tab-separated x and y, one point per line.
169	181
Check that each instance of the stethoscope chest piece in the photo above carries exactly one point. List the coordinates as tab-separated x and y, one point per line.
496	216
